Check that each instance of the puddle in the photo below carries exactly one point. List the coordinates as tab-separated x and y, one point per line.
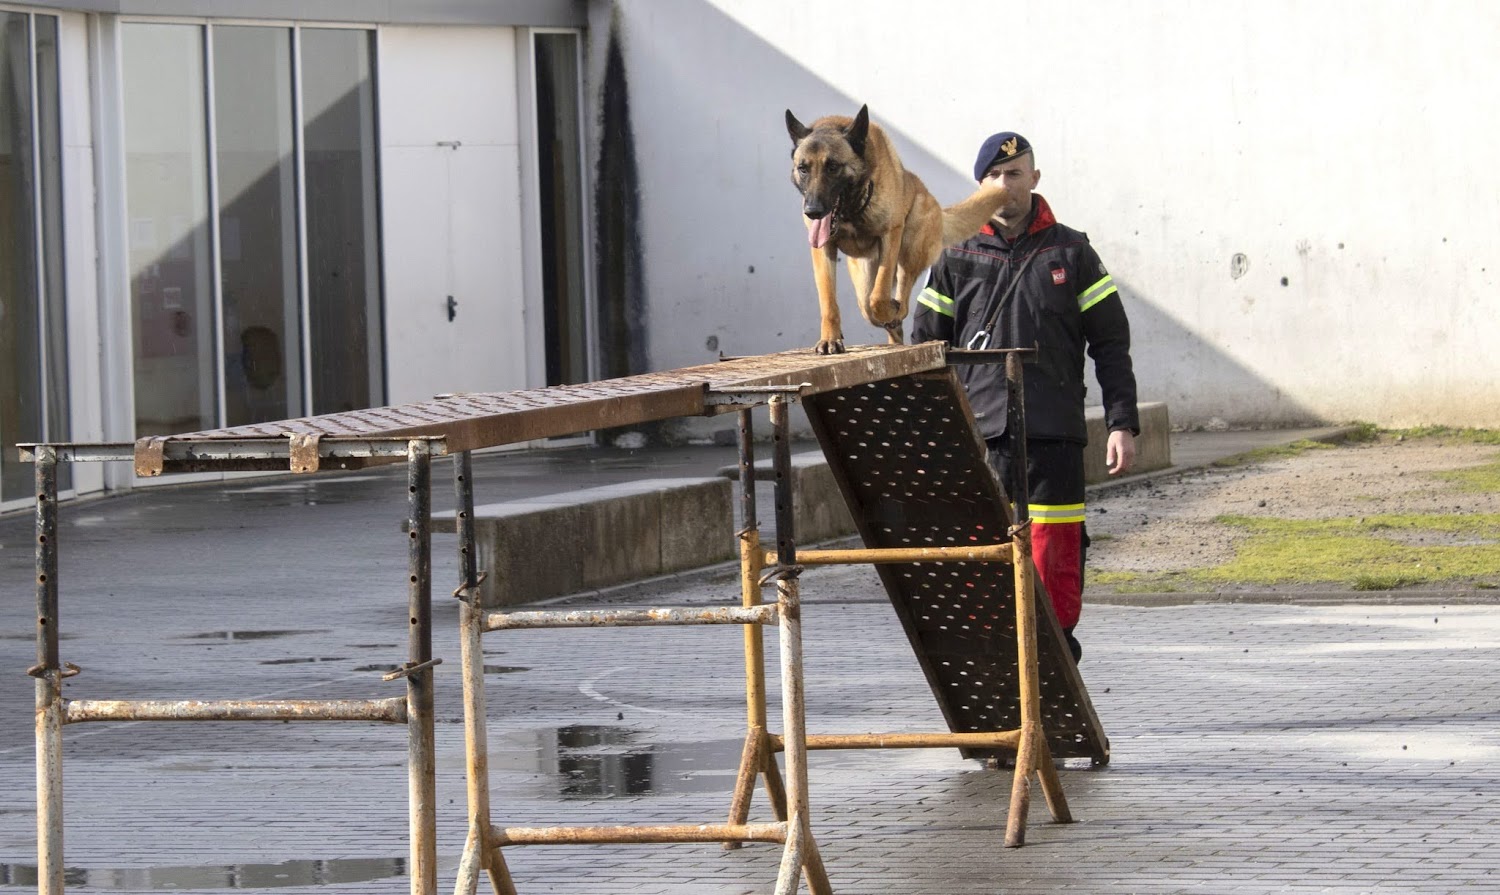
383	668
591	762
504	669
301	661
245	635
231	876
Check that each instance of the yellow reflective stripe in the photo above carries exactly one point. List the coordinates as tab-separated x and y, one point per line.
937	301
1052	513
1096	293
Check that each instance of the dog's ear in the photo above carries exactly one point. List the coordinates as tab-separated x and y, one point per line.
859	131
797	129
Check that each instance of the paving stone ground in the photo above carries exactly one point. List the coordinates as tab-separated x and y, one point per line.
1256	747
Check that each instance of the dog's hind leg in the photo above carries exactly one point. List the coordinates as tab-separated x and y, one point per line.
863	271
906	280
862	274
831	332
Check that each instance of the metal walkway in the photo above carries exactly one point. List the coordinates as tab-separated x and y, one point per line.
475	420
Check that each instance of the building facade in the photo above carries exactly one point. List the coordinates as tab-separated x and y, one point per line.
218	213
214	212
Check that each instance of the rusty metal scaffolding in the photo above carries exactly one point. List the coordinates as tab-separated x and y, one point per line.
483	849
458	424
415	709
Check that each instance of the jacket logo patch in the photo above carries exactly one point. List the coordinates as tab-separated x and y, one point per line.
1059	276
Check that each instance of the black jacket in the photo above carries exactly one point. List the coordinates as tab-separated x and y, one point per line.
1066	302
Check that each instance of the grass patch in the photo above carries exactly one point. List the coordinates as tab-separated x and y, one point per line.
1365	554
1448	433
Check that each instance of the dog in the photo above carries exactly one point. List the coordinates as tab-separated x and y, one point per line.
859	200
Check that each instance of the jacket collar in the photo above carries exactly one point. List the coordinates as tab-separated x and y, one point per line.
1040	219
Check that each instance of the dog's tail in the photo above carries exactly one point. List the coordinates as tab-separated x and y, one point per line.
964	219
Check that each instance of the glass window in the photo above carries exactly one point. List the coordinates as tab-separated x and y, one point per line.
171	268
257	180
254	237
50	154
560	169
343	251
33	348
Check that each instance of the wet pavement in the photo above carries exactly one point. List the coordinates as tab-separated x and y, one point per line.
1270	747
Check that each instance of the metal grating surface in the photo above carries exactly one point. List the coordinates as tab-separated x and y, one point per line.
912	467
489	419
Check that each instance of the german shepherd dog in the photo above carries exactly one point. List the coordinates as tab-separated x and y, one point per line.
859	200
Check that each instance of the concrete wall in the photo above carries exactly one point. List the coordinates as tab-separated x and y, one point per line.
1296	197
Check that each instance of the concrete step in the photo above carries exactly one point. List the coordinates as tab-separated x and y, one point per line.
560	544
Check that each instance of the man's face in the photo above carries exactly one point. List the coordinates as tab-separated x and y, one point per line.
1019	176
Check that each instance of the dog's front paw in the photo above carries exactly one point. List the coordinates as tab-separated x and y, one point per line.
885	312
829	346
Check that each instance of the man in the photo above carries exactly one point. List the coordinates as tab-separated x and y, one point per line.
1026	281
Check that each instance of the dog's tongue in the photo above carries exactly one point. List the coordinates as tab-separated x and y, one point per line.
819	231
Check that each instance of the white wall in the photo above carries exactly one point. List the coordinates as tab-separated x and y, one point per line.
1340	145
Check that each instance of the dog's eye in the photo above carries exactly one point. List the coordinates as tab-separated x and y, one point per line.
802	167
833	167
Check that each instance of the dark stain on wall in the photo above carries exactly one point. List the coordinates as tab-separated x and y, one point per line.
622	294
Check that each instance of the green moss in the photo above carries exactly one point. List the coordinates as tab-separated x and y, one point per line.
1362	432
1373	553
1484	479
1448	433
1381	582
1132	587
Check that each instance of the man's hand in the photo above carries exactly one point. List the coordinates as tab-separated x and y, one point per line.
1119	454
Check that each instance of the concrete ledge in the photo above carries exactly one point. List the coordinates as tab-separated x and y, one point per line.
1153	447
596	537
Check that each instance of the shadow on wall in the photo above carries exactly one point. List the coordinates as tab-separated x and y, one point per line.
172	299
1171	361
720	254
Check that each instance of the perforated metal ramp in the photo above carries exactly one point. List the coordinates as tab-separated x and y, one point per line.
909	460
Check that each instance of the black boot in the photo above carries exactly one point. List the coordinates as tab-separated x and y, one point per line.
1074	645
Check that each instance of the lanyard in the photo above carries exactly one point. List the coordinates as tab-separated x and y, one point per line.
981	339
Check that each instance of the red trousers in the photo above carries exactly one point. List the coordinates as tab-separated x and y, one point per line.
1057	550
1054	473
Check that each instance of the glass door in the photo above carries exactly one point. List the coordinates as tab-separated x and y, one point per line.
174	340
33	344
